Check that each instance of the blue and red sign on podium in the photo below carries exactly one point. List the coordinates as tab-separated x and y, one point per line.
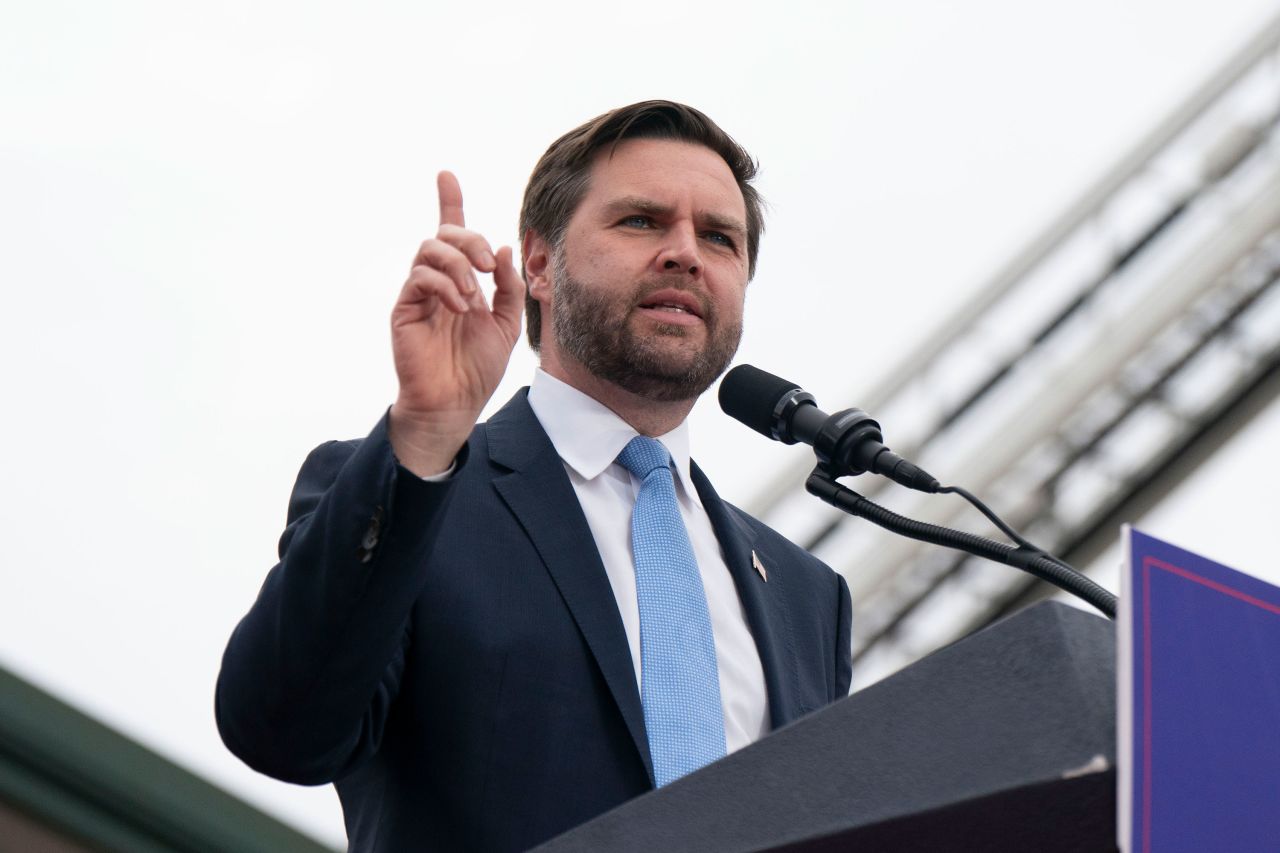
1199	700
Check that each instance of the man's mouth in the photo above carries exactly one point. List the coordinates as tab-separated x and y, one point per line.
668	306
676	304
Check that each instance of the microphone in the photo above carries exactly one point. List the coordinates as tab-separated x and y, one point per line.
848	442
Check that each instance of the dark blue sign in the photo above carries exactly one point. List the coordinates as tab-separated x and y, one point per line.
1204	679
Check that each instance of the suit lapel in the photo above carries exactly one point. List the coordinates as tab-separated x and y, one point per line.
538	492
764	602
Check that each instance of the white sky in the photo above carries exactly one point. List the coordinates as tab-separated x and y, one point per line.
207	210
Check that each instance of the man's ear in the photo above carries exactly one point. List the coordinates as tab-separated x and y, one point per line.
536	255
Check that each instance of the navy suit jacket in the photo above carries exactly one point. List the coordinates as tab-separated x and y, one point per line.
451	656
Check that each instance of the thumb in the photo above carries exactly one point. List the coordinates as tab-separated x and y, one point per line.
508	296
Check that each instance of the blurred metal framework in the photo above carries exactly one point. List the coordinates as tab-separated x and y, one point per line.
1091	375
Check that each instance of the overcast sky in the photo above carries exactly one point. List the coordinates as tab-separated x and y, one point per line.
208	209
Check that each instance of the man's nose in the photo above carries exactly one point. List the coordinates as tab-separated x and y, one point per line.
679	252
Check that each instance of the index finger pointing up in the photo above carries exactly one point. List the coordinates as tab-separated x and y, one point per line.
450	200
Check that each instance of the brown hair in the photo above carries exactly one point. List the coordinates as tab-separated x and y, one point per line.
560	179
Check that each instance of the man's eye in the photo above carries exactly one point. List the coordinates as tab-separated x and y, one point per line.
637	221
718	237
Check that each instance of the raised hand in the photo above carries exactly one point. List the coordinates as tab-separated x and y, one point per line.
450	348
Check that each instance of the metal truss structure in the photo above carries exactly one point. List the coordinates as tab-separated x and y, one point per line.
1088	378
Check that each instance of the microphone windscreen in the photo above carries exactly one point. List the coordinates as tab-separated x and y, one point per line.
751	395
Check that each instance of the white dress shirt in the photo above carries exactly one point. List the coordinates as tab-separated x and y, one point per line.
589	437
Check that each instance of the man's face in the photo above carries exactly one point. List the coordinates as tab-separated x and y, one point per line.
649	280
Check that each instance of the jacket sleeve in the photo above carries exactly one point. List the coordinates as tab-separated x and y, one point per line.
310	672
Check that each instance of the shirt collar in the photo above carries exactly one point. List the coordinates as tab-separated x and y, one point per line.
588	435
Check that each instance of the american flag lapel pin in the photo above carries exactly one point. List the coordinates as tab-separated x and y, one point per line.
755	561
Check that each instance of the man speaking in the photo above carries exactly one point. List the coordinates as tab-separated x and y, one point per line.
485	634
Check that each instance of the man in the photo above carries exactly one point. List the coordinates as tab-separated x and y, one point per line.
462	632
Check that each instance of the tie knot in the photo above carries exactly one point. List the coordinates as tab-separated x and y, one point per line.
643	455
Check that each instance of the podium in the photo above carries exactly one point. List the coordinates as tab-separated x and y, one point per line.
1002	741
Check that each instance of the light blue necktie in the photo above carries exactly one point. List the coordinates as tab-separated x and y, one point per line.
679	680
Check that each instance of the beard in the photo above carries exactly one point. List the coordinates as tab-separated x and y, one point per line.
592	326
